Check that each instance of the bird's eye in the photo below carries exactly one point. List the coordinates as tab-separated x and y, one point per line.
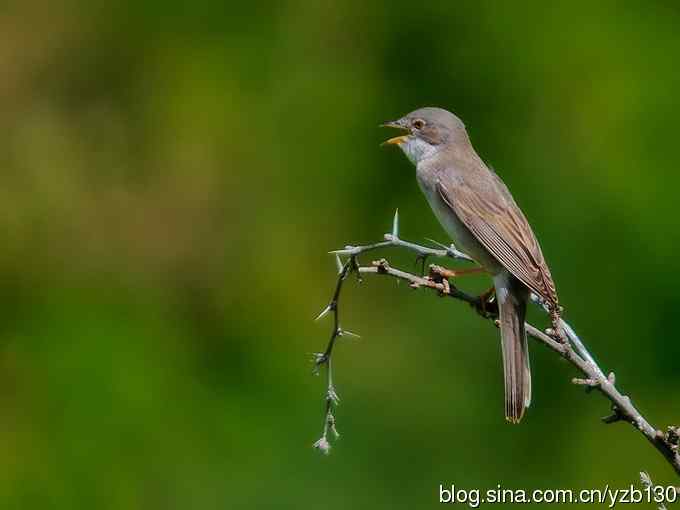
419	123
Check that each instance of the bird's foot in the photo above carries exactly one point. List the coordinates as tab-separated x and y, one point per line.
486	304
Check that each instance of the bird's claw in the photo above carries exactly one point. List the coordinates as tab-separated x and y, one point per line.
486	306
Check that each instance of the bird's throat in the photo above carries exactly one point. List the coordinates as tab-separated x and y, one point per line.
417	150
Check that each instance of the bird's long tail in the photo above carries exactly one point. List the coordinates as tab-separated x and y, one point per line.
512	302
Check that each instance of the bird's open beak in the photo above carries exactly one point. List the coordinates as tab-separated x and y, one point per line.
397	139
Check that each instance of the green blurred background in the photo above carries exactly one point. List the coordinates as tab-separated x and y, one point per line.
173	175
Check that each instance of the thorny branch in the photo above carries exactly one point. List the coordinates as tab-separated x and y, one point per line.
573	350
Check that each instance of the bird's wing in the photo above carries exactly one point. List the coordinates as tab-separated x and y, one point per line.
490	213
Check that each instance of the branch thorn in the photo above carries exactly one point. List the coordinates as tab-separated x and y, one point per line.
437	243
588	383
338	263
614	417
324	312
344	332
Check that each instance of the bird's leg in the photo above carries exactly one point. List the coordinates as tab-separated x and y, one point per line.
422	258
558	332
486	305
453	273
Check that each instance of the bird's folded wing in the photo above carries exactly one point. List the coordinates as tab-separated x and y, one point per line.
496	221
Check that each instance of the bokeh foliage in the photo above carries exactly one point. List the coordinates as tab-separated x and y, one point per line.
173	174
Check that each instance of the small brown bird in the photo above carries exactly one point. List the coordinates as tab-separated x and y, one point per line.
476	209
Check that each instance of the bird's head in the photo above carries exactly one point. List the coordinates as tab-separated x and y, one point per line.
429	130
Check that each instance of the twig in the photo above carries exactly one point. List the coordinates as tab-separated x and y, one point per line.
325	358
392	240
594	378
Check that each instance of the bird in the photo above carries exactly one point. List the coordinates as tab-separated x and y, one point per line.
477	210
